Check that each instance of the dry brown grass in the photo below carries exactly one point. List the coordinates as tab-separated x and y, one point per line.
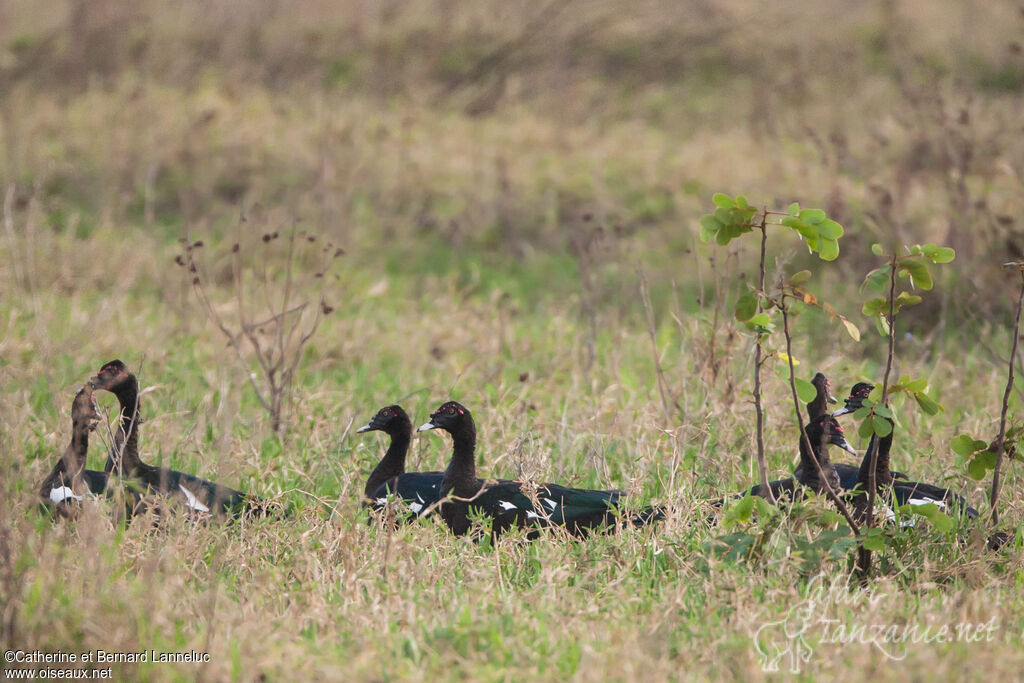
456	192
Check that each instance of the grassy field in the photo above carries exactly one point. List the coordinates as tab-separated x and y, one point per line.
503	178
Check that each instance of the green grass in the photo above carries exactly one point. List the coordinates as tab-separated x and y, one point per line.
486	223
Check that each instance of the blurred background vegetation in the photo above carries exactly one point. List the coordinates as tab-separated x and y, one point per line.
527	135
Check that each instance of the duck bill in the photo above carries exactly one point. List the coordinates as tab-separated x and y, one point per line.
844	444
367	428
843	411
426	426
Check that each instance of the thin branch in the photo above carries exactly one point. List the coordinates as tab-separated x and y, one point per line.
864	554
762	466
840	505
1000	447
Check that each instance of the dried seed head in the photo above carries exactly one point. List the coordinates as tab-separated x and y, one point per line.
325	308
179	259
234	248
267	237
197	244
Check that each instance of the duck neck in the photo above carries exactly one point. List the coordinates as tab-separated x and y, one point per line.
817	407
883	475
126	439
76	452
460	477
393	462
812	453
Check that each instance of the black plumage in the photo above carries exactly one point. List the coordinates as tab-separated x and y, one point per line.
194	493
514	503
70	481
821	432
902	490
419	490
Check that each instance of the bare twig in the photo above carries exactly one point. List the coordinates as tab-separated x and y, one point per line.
1000	446
826	487
864	554
277	355
762	466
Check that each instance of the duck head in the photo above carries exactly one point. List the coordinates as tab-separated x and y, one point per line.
855	400
390	420
449	417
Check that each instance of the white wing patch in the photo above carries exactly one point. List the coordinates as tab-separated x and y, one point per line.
60	494
416	507
550	503
530	514
941	504
382	501
193	502
505	505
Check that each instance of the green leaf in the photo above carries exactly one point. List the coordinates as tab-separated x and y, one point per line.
907	299
876	249
862	412
812	216
883	411
874	539
746	306
805	390
828	249
916	385
938	254
830	229
877	279
976	469
744	509
794	209
874	306
965	445
709	227
723	201
941	521
800	278
761	320
741	202
927	404
866	429
881	426
918	271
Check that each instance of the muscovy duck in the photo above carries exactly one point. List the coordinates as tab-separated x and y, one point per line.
419	490
194	493
70	481
822	397
514	503
903	491
821	432
846	472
